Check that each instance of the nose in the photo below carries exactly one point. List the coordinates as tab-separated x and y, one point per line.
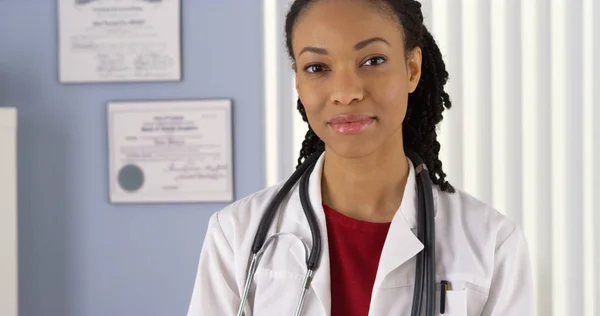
347	88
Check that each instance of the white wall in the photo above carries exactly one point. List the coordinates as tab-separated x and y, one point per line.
8	213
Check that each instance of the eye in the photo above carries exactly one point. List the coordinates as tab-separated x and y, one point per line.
314	68
373	61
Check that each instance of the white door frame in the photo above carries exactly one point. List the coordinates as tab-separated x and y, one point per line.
8	213
280	96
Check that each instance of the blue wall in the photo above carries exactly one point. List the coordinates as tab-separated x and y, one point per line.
80	255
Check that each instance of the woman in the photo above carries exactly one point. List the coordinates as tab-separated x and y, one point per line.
370	81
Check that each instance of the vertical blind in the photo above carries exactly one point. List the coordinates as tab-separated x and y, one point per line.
523	133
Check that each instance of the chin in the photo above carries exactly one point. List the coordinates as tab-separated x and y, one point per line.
352	151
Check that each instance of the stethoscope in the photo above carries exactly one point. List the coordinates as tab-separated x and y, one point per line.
425	270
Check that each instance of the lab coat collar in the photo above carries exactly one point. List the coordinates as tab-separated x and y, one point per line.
401	243
409	202
400	246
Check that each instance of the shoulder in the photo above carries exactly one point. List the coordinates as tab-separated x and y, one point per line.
479	241
239	220
250	206
475	218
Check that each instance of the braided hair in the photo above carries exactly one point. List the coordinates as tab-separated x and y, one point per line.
425	104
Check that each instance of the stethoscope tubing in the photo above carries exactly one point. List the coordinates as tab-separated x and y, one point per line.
303	171
425	269
269	214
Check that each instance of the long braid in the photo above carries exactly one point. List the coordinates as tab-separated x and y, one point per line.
312	143
425	105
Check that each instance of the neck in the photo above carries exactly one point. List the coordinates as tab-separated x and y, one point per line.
368	188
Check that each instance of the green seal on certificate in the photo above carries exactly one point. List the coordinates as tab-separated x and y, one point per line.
131	178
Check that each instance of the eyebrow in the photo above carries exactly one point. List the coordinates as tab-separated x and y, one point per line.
357	46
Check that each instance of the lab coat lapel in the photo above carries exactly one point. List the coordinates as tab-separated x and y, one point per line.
321	277
401	243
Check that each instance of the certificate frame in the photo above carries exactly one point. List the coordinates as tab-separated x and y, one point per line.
121	112
147	65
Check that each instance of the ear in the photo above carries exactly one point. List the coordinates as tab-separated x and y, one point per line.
295	69
415	59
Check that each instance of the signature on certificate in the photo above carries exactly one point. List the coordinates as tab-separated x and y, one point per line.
191	171
152	63
168	140
109	65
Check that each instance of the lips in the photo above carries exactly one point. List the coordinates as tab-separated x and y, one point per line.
351	123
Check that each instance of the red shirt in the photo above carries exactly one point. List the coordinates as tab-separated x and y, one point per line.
354	248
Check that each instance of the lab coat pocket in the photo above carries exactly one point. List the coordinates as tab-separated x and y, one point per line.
453	304
275	291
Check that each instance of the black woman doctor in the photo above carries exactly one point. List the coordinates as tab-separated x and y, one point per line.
370	80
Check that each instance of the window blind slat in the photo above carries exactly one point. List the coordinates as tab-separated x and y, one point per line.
447	29
477	98
567	155
506	108
537	216
591	139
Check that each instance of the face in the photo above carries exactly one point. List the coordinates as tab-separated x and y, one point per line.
353	75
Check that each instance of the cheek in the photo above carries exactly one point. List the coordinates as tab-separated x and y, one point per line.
393	95
313	98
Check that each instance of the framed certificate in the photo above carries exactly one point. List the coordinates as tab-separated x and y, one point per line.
119	40
170	151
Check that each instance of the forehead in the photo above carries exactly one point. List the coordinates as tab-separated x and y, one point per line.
345	22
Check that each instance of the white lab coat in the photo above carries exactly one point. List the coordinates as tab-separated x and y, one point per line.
479	251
